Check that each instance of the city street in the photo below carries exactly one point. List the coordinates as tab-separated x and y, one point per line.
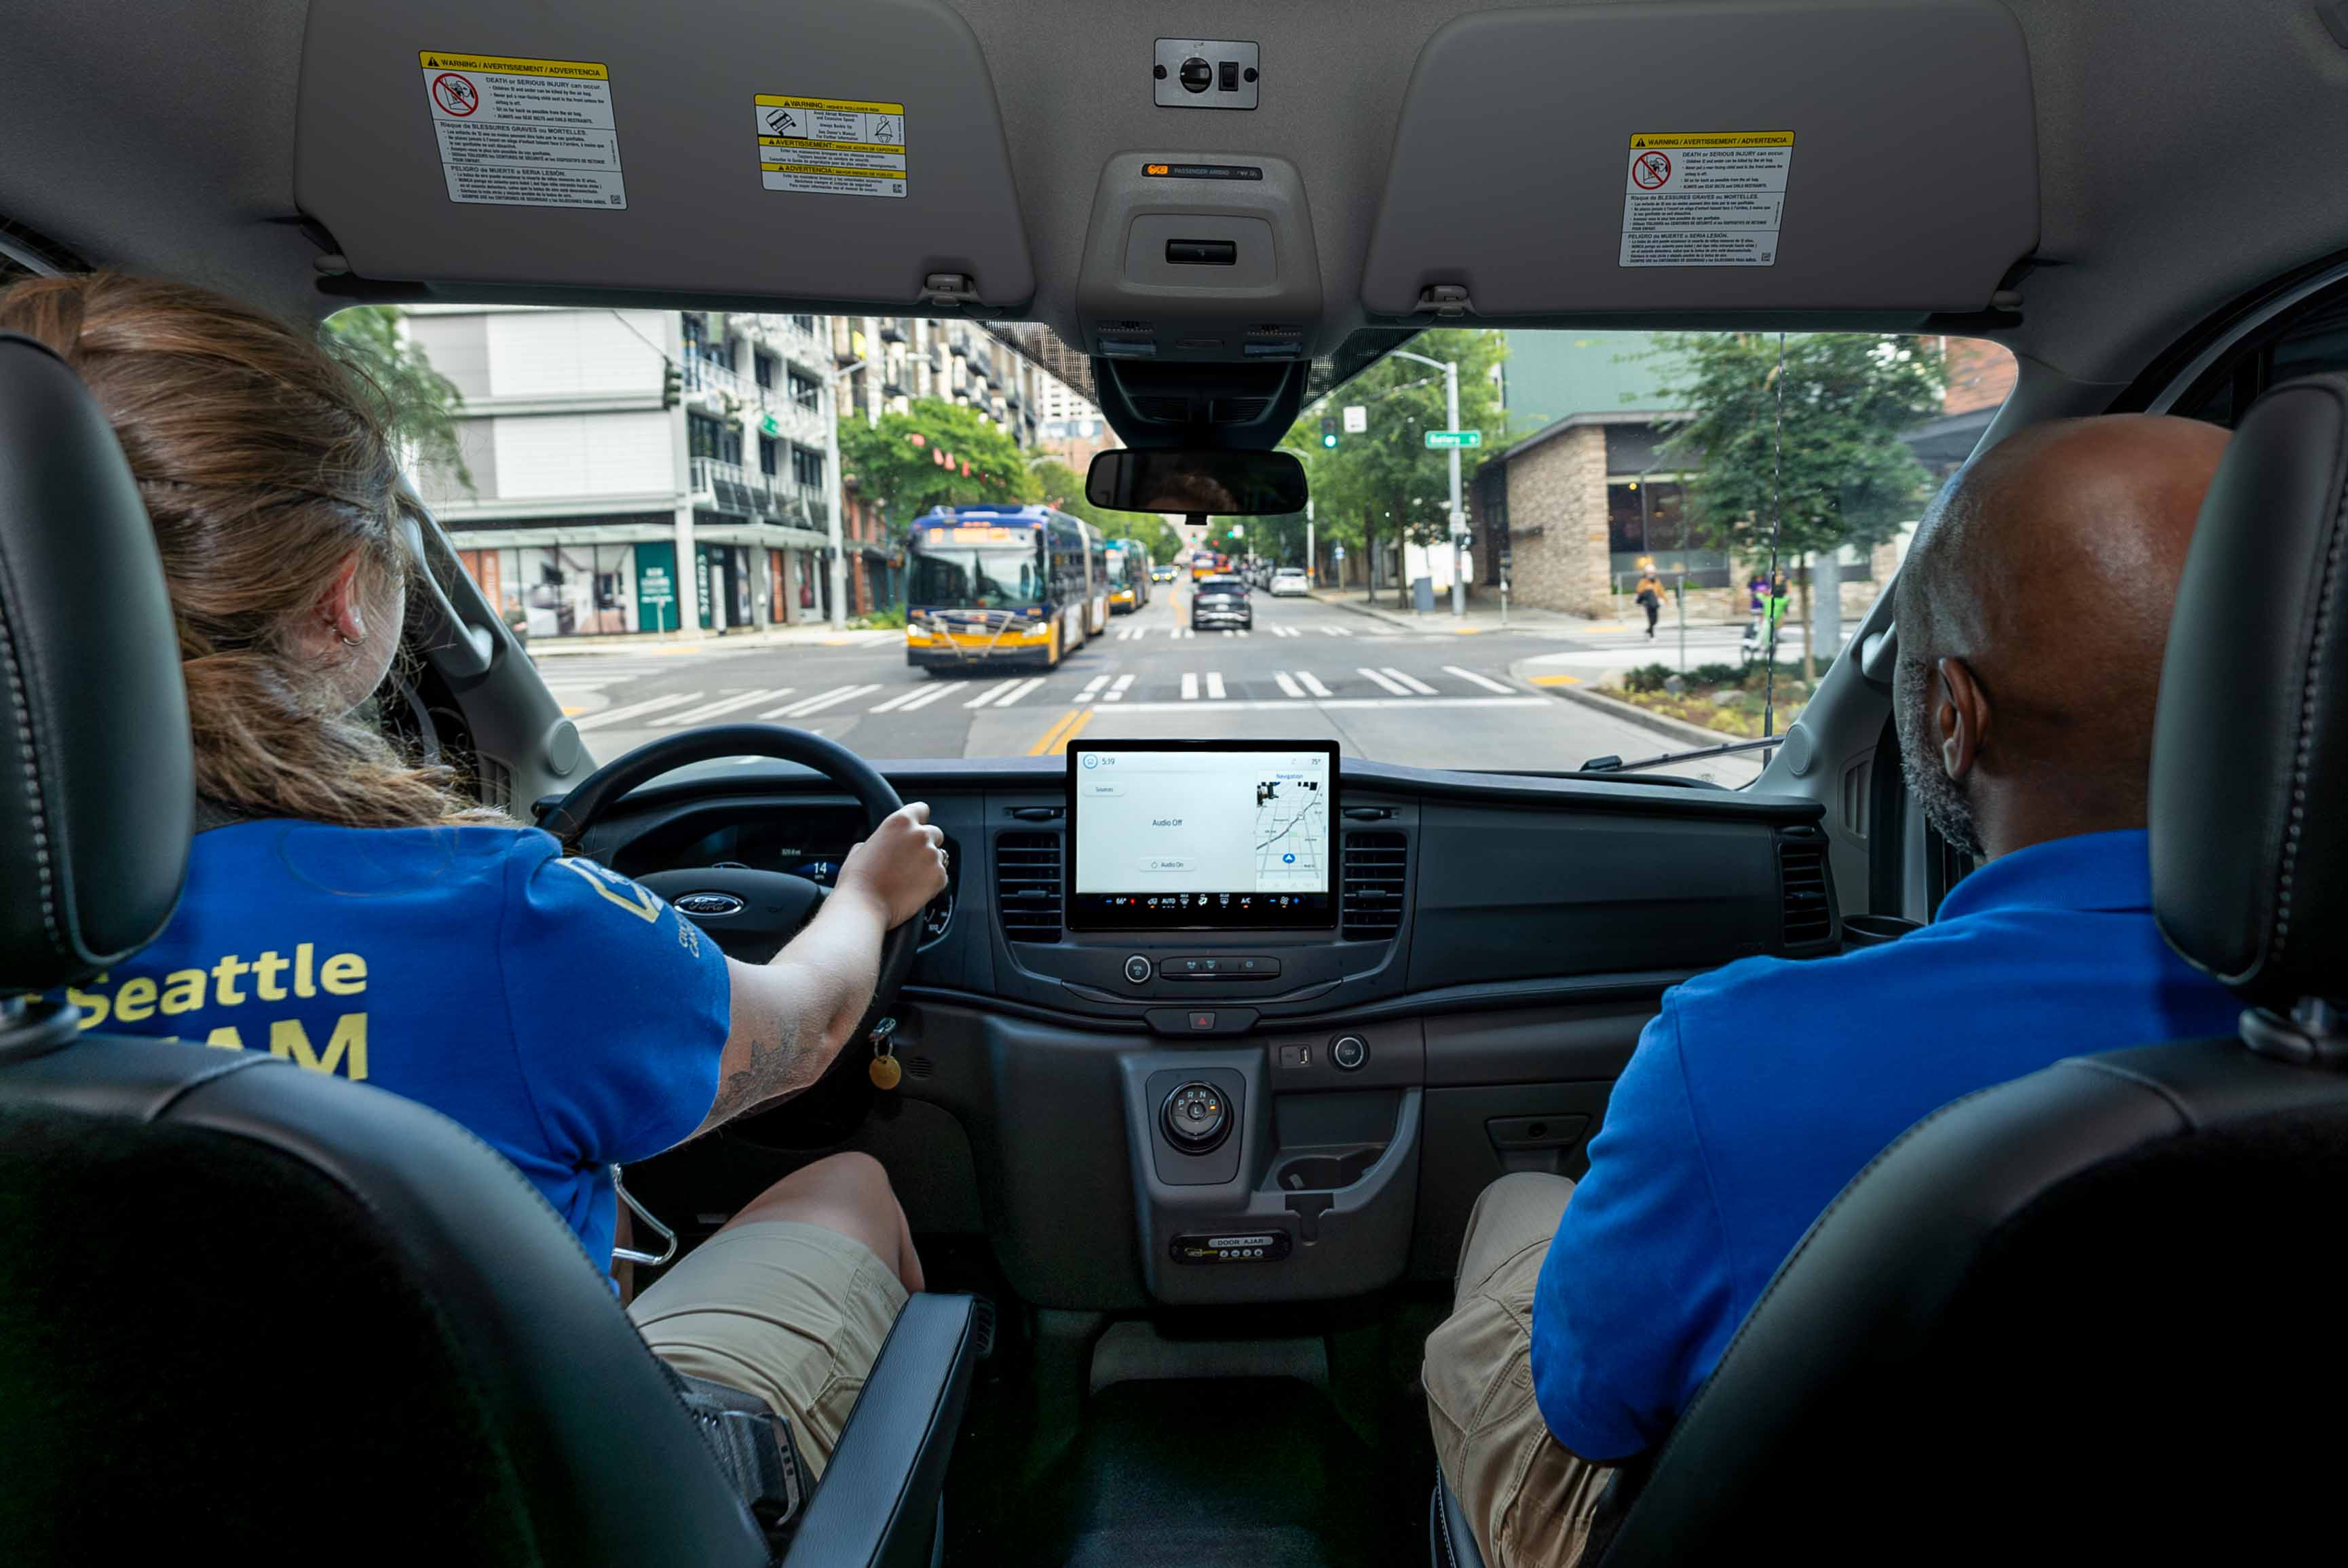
1437	697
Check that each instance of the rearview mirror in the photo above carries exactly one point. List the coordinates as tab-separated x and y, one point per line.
1211	482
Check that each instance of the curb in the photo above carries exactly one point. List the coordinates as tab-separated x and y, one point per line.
1660	723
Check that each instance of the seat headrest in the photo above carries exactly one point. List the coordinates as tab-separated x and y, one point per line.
2250	759
96	779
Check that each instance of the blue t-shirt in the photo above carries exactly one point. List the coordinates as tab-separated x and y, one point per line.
1762	1088
567	1015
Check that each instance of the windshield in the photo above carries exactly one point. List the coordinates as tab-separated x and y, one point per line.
998	578
1645	565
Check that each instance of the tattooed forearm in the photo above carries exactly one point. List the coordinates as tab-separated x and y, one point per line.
771	1065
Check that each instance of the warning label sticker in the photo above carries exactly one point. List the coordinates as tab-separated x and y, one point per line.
524	133
831	146
1705	198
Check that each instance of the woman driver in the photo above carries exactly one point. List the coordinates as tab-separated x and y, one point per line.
344	909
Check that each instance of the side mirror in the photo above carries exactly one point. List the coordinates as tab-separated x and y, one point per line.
1204	482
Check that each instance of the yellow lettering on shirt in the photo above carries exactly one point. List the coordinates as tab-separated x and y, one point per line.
94	1005
183	990
225	1038
265	970
287	1038
345	974
134	1001
637	901
301	985
225	972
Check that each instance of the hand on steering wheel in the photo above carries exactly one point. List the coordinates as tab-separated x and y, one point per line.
752	914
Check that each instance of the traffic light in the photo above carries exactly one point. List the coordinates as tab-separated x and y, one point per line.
1329	431
672	386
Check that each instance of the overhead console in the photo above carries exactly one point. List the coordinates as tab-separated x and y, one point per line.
850	154
1674	160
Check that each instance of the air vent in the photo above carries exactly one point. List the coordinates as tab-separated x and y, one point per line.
1375	863
1803	891
1237	410
1027	885
1163	410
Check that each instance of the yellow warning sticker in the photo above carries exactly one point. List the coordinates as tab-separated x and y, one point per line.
1704	199
831	146
522	132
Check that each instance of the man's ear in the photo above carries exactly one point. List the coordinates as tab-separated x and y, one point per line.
1959	716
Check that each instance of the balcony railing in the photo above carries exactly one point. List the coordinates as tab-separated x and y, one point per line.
731	488
713	380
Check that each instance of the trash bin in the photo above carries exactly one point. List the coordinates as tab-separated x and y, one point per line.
1422	594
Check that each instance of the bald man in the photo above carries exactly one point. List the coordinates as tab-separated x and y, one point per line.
2032	614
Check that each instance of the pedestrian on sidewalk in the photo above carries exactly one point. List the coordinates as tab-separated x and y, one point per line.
1650	597
1781	594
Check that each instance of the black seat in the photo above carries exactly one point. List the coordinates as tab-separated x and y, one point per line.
2087	1314
255	1314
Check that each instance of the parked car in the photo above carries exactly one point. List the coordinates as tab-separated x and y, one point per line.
1221	602
1290	582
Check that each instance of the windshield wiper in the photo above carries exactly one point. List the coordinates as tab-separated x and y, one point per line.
1613	764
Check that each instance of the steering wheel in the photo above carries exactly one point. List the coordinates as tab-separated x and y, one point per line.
769	906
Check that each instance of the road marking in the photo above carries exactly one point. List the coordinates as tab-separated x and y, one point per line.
1337	631
1182	631
1384	682
912	697
1287	684
1288	705
1215	685
1020	689
1413	681
1189	686
1311	683
570	712
1473	679
1094	684
990	694
817	704
1116	693
1556	679
635	710
1064	729
723	705
1286	631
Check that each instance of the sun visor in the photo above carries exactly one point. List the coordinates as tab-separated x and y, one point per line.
1678	159
846	152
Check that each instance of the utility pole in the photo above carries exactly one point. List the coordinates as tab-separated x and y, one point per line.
1309	558
1458	520
834	494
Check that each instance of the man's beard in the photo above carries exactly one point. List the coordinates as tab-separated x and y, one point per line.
1946	805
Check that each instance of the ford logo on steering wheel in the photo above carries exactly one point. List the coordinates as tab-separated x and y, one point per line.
710	904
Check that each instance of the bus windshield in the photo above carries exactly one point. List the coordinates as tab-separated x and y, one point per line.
992	577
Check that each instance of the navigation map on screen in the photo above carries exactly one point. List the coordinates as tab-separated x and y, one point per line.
1203	836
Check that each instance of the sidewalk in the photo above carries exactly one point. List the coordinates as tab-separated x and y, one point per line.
799	636
1483	614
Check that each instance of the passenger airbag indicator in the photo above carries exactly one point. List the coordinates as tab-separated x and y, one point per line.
1201	171
1254	1246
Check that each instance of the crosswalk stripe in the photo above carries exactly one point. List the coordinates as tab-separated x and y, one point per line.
723	705
817	704
1385	682
1338	630
1091	686
1312	683
920	697
989	695
1412	681
908	697
1486	682
634	709
1287	683
1189	686
1286	631
1116	693
1182	631
1020	689
1215	684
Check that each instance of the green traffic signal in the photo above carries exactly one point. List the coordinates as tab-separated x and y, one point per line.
1328	433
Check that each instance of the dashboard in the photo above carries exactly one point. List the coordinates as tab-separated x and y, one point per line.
1210	1110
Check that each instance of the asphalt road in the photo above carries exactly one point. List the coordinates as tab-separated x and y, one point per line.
1436	698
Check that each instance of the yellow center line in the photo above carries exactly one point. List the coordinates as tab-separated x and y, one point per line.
1064	730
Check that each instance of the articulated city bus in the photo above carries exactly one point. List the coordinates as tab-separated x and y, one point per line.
1208	563
1001	586
1129	576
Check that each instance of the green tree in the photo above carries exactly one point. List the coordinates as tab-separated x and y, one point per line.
1385	482
1843	476
896	463
419	403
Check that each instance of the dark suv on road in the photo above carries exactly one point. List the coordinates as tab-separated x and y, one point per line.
1220	601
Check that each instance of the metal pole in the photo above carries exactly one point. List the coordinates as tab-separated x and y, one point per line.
838	616
1309	573
1459	519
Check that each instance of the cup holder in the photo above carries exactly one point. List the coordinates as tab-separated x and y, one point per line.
1326	1173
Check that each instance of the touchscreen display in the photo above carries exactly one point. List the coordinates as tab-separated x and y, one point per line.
1211	835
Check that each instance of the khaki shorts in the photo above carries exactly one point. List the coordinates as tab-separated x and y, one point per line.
791	1312
1526	1499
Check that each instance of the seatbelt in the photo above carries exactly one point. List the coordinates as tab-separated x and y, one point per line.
753	1445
